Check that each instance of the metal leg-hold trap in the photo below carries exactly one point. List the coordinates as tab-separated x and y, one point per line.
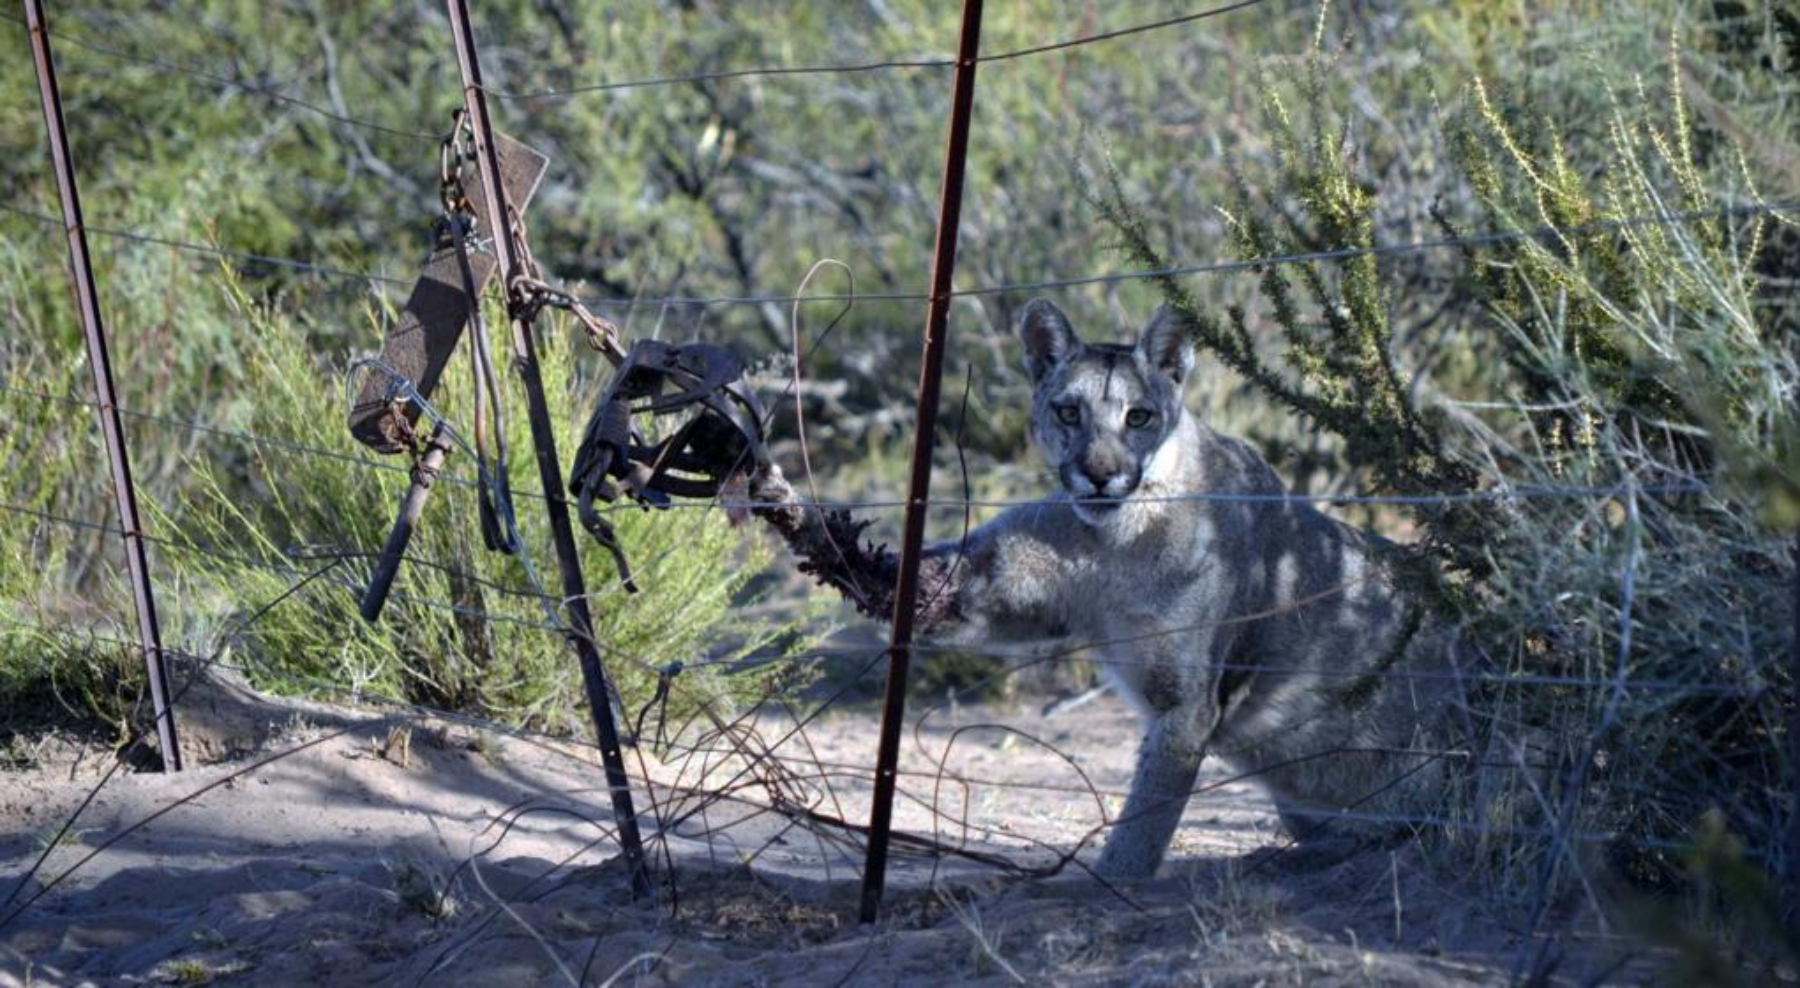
722	436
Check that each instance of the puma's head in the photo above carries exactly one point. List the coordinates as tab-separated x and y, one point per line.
1102	412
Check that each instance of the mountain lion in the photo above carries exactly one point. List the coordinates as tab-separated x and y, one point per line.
1241	623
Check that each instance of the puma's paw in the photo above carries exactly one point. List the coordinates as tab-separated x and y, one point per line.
1126	860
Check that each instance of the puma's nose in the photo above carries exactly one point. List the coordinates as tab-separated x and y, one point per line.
1098	476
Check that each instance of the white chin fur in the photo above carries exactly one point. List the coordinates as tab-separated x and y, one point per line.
1097	518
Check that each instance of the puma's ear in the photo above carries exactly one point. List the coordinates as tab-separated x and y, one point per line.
1047	336
1166	345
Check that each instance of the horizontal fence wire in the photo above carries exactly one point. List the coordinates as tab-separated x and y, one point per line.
857	68
288	263
223	83
1214	267
312	684
290	568
317	684
361	461
1521	492
1487	239
1526	492
54	518
1080	652
313	552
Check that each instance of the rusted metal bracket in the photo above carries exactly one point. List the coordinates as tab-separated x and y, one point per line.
118	454
419	345
445	299
722	437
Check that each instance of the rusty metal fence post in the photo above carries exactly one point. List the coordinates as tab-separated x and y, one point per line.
931	374
574	587
1793	830
87	298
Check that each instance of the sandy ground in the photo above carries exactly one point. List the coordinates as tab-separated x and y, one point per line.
415	852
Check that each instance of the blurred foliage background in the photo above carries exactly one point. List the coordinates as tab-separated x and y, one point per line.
308	130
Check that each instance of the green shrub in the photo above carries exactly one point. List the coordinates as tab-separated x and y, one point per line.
234	522
1640	358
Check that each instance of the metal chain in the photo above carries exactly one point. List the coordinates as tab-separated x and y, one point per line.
460	225
531	294
456	148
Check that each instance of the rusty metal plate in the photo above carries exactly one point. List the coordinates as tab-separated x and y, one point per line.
420	342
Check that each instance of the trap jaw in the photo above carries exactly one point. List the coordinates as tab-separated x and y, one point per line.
721	438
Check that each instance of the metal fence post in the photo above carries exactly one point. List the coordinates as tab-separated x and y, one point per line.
931	373
543	436
1793	834
107	407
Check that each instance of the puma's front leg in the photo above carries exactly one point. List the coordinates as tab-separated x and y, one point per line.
829	543
1008	581
1168	765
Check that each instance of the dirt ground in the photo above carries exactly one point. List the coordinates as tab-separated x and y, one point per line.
392	850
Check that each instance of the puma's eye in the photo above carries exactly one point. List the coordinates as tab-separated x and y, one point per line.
1137	418
1068	414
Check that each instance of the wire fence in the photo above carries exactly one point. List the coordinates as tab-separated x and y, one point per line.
857	68
1488	239
749	776
1091	652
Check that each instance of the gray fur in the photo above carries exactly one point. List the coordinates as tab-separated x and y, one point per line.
1256	632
